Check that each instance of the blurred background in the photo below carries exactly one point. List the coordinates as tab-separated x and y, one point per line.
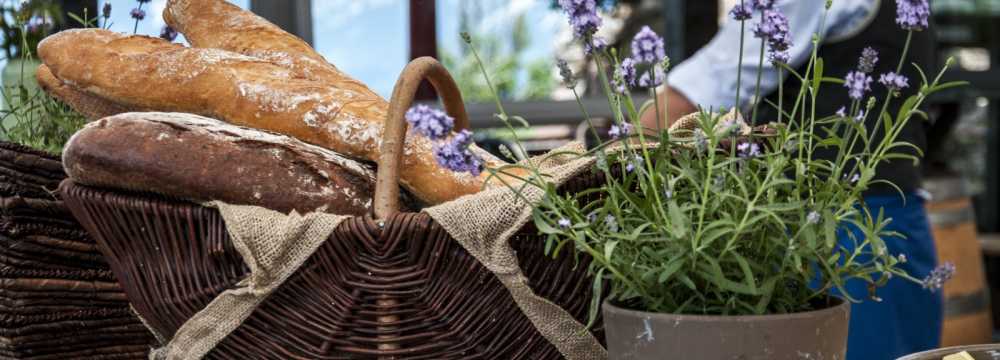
520	41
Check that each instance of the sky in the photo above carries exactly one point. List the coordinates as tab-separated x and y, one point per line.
368	39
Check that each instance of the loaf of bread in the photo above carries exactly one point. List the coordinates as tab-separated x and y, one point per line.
90	106
217	24
196	158
150	73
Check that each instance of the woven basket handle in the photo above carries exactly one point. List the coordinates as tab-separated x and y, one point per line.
394	133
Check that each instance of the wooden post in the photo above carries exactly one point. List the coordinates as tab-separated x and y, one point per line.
423	38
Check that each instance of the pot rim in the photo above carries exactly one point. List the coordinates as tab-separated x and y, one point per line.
841	306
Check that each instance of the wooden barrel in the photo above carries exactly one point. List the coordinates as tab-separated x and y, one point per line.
978	352
967	313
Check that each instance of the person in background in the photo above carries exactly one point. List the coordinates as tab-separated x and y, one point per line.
902	317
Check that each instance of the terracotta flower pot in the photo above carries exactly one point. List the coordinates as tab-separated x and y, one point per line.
820	334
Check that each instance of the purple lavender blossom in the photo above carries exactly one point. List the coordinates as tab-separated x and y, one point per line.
566	74
596	44
138	14
813	217
857	84
618	131
37	23
582	16
168	33
657	78
741	12
625	76
456	156
564	223
647	46
941	274
636	162
748	150
763	4
860	117
432	123
842	112
611	222
912	14
106	10
867	61
779	57
773	27
894	81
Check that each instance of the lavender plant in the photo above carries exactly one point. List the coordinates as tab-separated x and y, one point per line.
716	217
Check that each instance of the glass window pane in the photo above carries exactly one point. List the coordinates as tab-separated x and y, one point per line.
368	40
516	39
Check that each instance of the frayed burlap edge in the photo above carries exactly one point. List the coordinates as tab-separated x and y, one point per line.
499	214
274	246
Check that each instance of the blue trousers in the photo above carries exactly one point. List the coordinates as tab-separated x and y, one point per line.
909	317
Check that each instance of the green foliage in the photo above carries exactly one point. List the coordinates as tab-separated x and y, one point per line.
692	222
23	26
505	62
35	119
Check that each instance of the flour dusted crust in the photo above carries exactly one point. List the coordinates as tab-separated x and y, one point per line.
90	106
218	24
197	158
150	73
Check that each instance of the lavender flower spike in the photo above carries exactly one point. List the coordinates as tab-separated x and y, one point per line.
857	84
658	77
168	33
456	156
564	223
894	81
741	12
773	27
138	14
582	16
106	10
647	47
618	131
566	74
625	76
912	14
763	4
869	57
779	57
432	123
941	274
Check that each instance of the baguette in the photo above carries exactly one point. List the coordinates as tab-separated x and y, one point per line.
150	73
217	24
90	106
196	158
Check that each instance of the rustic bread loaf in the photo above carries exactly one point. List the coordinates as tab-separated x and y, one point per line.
218	24
90	106
197	158
150	73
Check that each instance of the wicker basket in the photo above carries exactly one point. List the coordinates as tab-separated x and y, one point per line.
393	285
58	297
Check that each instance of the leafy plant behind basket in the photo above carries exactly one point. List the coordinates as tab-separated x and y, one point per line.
35	119
31	117
710	218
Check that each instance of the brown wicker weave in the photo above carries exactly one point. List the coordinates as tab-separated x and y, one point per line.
58	297
394	287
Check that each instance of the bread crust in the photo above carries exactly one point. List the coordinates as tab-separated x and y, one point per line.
150	73
90	106
196	158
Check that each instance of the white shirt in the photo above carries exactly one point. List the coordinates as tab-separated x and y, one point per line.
708	78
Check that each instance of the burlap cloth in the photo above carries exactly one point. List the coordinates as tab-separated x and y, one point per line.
275	245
